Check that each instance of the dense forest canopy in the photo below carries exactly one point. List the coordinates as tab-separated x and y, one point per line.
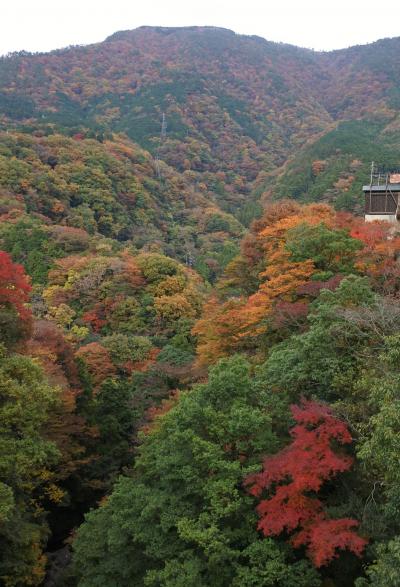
199	334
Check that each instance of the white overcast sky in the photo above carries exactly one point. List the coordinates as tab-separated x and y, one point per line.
42	25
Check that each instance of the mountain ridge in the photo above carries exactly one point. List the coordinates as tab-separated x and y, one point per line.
237	108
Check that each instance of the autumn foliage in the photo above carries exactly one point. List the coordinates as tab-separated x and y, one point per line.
295	475
14	286
131	241
15	316
291	254
380	253
98	361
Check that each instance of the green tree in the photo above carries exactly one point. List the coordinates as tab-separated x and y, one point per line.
25	455
378	450
125	348
182	518
111	412
32	246
333	251
323	361
385	571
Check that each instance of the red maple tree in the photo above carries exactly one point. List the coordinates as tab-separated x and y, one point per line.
298	471
15	316
14	286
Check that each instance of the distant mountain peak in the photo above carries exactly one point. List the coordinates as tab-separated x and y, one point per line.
125	35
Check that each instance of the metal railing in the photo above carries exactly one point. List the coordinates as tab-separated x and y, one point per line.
381	177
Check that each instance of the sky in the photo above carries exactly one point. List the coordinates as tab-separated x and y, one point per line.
43	25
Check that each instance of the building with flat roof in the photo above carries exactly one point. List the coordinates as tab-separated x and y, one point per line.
382	195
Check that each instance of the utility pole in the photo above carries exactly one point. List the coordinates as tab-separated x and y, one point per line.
163	135
163	127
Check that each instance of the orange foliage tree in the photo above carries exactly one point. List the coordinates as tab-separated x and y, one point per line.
227	326
98	361
379	258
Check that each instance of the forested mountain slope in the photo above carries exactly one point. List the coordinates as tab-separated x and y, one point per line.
293	434
112	189
198	375
235	106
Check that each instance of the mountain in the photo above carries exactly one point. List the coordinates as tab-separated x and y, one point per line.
111	188
205	123
234	105
161	333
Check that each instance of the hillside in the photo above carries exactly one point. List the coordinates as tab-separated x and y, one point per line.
236	107
199	334
334	167
112	189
